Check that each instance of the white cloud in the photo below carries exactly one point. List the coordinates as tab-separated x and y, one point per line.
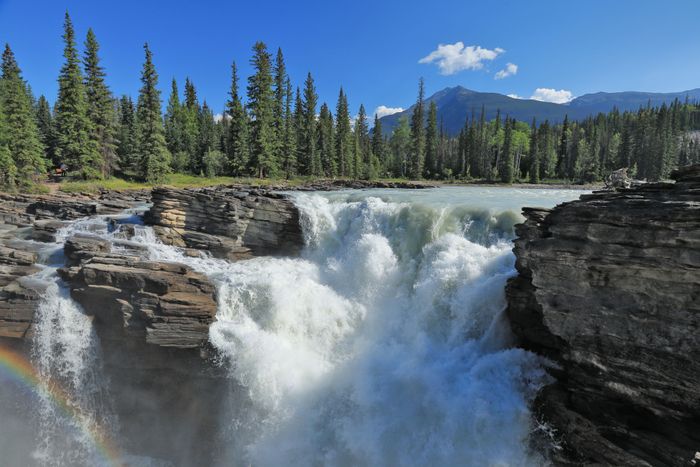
383	111
451	58
510	70
515	96
552	95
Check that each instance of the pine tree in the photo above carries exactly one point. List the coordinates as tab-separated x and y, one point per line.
400	144
207	133
150	140
431	140
238	150
20	134
310	163
280	89
343	136
126	135
74	146
505	169
299	133
417	158
44	122
326	146
364	146
534	155
261	106
100	109
378	144
290	140
173	130
562	153
190	127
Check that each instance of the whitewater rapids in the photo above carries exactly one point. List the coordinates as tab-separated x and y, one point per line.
384	343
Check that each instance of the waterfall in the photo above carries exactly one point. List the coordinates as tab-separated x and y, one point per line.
66	355
383	344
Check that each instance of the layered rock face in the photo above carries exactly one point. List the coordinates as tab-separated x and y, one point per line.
609	289
232	223
153	320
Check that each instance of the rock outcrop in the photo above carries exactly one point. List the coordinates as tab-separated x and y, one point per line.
164	304
153	320
229	222
18	298
609	289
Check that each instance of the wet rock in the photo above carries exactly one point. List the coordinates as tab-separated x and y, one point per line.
228	222
83	246
164	304
609	288
44	230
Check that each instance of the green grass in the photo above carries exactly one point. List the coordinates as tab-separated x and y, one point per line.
175	180
192	181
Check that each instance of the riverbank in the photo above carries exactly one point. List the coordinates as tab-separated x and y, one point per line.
191	181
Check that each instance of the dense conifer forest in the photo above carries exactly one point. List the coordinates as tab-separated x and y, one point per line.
271	129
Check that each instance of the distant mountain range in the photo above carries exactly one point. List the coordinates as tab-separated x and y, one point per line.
454	104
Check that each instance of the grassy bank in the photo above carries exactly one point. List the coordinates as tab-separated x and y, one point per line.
191	181
175	180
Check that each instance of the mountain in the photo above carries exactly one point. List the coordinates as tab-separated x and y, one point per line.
456	103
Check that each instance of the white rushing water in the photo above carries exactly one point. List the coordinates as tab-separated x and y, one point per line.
66	354
384	343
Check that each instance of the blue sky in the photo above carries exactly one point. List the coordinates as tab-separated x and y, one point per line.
373	48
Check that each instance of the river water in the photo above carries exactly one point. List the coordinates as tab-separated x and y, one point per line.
383	343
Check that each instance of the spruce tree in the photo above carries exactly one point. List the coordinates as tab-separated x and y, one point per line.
154	163
44	122
100	109
126	136
343	136
238	150
290	147
310	163
326	146
364	147
506	169
299	133
431	144
378	145
207	133
280	88
190	127
20	134
534	155
417	158
74	146
173	130
261	106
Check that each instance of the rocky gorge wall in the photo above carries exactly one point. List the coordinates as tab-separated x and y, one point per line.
608	288
152	317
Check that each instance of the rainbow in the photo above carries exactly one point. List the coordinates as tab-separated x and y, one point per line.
19	369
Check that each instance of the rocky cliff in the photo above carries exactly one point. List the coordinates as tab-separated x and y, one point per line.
608	288
229	222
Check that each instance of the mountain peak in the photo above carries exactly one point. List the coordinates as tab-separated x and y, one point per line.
456	103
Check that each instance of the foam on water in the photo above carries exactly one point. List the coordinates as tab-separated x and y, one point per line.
383	344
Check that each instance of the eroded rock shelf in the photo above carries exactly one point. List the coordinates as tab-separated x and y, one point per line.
609	288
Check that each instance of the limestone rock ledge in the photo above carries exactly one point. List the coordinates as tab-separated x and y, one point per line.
152	319
229	222
609	289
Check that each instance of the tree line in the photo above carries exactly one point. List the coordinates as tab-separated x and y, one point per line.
280	131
